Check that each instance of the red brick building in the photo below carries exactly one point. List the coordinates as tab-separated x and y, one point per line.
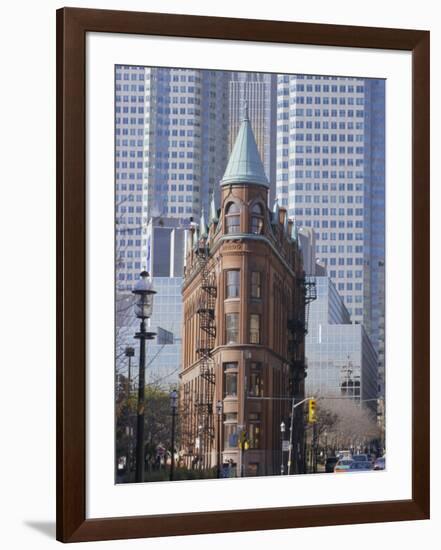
244	320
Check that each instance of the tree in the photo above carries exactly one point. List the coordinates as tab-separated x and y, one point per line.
346	423
158	420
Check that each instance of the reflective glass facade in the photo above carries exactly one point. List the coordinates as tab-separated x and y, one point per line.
339	354
163	353
171	144
331	177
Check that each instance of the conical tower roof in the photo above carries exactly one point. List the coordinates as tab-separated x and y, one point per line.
203	226
213	211
245	164
294	233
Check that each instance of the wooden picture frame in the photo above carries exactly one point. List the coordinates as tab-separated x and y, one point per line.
72	26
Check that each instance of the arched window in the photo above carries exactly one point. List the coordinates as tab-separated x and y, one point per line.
232	218
256	225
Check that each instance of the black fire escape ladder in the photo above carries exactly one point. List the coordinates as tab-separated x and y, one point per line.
206	344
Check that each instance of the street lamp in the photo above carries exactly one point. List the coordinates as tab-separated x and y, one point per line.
219	410
129	352
282	432
174	406
143	309
200	450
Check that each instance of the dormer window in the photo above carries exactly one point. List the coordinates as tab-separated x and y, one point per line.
232	218
256	225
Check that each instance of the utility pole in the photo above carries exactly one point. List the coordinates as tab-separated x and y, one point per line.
129	352
282	437
173	404
291	430
314	448
219	410
142	336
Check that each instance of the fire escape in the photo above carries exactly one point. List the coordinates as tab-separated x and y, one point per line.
298	324
304	294
205	346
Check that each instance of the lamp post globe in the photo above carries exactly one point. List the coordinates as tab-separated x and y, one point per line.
174	400
144	291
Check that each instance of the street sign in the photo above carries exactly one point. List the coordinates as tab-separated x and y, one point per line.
285	445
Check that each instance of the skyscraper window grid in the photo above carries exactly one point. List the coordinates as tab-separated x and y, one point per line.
330	176
171	147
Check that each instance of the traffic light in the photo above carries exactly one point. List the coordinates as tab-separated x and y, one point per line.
312	413
244	442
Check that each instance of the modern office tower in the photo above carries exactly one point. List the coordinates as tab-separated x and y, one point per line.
171	147
244	319
331	176
163	353
166	241
306	238
375	170
166	238
341	359
259	92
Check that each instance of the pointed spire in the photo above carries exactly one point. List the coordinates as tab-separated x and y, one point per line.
285	223
213	211
294	234
203	225
195	237
276	211
246	116
245	164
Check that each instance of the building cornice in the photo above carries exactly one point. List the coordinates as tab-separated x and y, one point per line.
239	237
250	237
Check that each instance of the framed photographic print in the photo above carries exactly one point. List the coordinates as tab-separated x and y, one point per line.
243	274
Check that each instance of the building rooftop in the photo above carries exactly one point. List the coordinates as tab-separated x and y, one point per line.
245	164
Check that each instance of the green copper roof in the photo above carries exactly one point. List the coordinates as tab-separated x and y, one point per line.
294	234
195	237
213	211
203	226
245	164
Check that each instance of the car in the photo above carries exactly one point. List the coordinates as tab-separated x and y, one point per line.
343	465
344	454
380	463
360	466
330	463
361	458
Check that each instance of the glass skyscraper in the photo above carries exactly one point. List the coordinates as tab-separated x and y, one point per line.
322	143
331	177
341	359
165	262
171	148
163	353
258	91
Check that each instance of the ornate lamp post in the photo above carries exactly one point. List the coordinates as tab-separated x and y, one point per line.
174	406
143	310
282	434
219	410
129	352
